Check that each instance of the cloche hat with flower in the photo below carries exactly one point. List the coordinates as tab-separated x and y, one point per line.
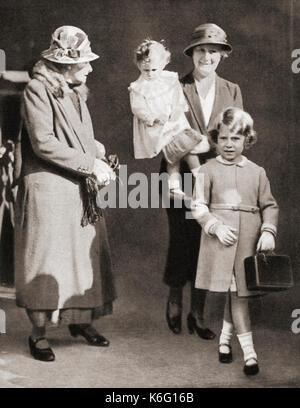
69	45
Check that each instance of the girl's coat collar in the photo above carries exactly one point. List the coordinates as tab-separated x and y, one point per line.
242	163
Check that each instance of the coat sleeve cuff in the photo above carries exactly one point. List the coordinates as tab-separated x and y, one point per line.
269	228
210	226
199	210
87	168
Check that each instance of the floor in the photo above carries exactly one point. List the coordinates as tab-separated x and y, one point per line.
144	353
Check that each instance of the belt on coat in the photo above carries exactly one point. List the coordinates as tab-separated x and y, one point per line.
235	207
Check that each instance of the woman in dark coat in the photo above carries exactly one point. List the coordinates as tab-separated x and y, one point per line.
62	256
207	95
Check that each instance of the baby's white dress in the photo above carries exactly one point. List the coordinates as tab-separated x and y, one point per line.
156	99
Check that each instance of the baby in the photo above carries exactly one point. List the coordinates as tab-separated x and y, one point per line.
158	105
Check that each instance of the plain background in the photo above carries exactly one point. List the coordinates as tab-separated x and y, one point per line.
263	34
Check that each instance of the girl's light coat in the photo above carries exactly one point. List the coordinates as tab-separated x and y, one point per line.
238	185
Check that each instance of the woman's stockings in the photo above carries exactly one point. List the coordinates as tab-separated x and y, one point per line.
38	320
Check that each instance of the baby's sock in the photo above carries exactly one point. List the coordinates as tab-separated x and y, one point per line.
175	185
195	171
246	343
225	337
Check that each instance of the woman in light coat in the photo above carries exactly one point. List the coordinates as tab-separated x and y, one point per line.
62	256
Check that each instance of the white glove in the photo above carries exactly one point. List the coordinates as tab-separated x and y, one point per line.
103	172
226	235
100	150
266	242
201	147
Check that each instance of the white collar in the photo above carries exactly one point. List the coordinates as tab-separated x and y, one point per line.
242	163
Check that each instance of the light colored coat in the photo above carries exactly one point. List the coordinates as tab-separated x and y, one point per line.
244	189
58	263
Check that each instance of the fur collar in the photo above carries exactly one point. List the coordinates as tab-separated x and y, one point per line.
55	82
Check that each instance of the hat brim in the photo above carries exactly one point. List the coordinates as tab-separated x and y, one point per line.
189	49
48	55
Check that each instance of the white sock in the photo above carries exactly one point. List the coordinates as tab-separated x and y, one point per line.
246	343
175	186
225	337
174	183
195	171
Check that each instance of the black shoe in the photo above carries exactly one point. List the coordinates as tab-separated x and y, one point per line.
174	322
42	354
225	358
252	369
89	333
205	334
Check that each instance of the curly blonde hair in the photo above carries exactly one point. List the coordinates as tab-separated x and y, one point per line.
239	122
148	48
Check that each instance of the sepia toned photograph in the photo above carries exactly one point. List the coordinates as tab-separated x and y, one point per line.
149	204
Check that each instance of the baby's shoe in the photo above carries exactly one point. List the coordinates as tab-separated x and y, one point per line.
195	171
175	192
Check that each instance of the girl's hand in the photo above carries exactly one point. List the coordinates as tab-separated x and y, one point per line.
103	172
226	235
201	147
266	242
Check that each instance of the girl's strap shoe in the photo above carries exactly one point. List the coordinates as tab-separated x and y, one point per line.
252	369
225	358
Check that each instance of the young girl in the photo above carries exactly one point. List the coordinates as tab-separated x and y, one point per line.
158	106
233	203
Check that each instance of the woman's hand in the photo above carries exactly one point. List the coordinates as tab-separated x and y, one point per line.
226	235
201	147
100	150
103	172
266	242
